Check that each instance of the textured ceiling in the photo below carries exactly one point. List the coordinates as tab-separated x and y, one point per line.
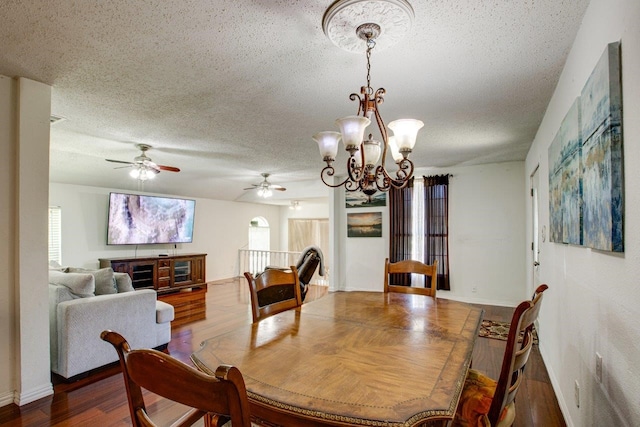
225	90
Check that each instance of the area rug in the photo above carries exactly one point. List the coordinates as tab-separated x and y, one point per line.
500	331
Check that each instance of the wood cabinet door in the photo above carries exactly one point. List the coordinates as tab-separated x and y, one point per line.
198	269
182	272
164	274
144	274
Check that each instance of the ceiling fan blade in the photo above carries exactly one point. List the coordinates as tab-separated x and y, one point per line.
119	161
124	167
168	168
251	188
278	188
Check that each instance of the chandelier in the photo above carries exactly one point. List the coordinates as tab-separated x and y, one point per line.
364	173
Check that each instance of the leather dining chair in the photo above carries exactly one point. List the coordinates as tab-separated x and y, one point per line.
273	291
430	273
486	402
218	398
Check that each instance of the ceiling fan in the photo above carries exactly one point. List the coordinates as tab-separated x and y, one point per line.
143	167
265	187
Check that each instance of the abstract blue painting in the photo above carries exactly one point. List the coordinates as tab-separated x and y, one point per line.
601	109
586	198
564	180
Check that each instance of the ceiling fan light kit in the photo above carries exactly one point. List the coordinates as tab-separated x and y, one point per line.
265	188
144	168
143	173
357	25
265	193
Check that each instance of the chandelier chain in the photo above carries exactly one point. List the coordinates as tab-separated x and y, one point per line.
371	43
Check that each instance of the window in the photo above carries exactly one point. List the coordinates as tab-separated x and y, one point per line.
55	234
419	224
259	235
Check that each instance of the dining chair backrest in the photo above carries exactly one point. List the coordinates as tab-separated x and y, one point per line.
540	289
430	273
273	291
516	354
218	398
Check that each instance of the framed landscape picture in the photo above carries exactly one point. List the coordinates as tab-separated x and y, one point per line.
358	199
367	224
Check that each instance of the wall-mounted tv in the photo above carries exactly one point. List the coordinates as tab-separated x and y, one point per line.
135	219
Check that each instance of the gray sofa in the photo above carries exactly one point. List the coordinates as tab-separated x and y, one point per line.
83	303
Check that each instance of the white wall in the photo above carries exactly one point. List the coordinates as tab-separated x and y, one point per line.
487	239
363	262
220	229
593	303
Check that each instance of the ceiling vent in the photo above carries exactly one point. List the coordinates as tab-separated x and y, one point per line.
54	120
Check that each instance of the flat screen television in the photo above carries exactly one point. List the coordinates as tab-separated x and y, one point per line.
136	219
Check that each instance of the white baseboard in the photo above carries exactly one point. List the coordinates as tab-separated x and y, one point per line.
6	398
34	394
556	388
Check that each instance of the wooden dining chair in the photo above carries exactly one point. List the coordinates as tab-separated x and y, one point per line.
273	291
218	399
486	402
430	273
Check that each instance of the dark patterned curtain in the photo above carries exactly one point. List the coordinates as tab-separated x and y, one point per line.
400	229
436	225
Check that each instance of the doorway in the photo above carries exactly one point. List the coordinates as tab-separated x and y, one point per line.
311	232
536	233
259	244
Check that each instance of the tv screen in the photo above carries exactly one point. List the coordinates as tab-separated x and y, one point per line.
135	219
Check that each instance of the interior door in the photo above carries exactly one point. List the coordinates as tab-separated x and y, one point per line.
536	233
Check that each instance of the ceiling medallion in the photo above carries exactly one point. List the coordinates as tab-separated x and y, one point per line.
364	172
394	18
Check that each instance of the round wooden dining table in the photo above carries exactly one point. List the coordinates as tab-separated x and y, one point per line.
353	358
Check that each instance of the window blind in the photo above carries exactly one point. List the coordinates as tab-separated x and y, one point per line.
55	234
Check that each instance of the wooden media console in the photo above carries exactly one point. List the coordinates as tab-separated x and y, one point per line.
179	280
162	273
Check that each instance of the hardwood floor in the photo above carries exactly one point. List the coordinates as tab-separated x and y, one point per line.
100	400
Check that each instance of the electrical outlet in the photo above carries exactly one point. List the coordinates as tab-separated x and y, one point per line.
474	289
598	367
576	391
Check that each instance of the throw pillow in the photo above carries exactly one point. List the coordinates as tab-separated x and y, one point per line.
55	265
82	285
123	282
105	282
